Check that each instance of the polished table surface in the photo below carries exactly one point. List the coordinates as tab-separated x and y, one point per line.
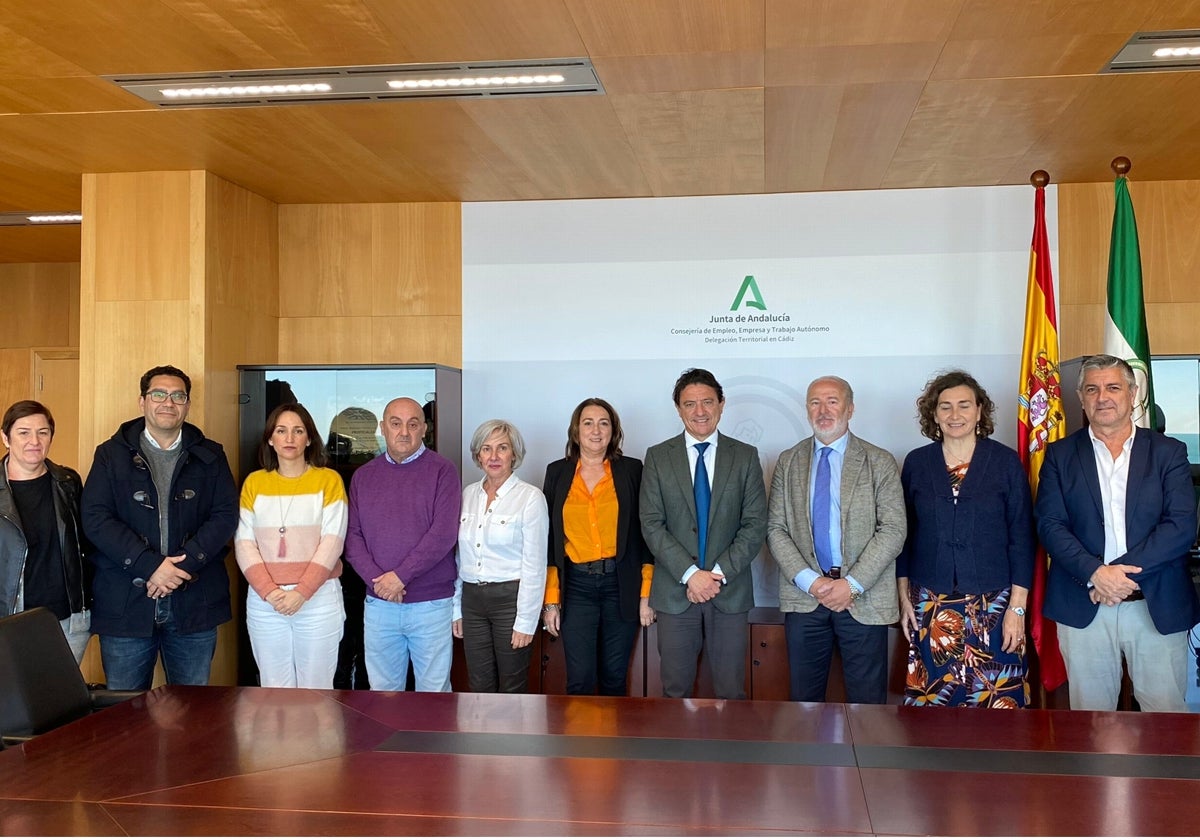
246	761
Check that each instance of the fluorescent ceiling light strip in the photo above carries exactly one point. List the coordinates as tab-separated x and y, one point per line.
310	85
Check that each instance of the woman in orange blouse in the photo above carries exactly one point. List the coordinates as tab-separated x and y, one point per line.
598	583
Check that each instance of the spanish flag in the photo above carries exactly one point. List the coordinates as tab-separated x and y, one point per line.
1040	418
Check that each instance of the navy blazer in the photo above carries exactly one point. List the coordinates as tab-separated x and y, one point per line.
981	541
1160	527
631	548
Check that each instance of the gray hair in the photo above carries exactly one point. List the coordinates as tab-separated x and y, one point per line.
841	383
1103	361
490	427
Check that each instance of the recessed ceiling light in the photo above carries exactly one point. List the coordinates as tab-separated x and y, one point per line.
309	85
1157	52
18	219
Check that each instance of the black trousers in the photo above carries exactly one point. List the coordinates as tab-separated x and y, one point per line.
597	642
810	640
489	612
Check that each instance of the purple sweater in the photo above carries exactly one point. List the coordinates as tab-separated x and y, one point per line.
404	519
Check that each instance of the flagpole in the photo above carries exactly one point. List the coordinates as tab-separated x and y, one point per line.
1121	166
1040	421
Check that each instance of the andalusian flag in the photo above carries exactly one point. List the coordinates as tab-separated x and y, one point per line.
1125	334
1040	419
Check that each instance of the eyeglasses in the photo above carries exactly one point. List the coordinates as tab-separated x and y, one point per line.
177	397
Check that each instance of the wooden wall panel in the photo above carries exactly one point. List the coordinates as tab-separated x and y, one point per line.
15	382
37	307
370	283
150	258
1168	216
241	296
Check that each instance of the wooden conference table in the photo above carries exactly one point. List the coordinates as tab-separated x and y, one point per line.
245	761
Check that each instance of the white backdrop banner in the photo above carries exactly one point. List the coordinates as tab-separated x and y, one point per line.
614	298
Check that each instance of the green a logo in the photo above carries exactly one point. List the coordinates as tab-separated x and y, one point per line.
750	295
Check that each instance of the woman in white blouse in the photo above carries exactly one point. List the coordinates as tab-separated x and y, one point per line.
501	563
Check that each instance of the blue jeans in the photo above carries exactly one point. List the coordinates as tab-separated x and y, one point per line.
394	633
129	660
597	642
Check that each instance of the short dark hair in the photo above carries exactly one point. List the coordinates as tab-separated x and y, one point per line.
165	370
614	443
697	376
928	401
25	408
314	453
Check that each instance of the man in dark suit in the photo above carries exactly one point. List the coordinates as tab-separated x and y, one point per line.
1117	515
702	588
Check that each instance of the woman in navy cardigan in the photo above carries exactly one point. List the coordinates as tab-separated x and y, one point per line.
967	563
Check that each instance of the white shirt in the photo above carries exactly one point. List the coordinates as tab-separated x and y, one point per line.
1114	480
507	541
710	464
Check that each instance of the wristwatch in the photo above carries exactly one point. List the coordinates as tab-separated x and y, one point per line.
1018	610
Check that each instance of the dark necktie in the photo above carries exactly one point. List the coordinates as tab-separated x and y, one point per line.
820	512
703	494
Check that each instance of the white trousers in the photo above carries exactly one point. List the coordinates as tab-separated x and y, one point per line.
1157	664
301	650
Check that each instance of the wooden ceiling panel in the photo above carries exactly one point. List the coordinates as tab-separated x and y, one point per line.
479	29
870	124
446	146
65	96
703	96
23	58
697	143
654	27
680	71
838	23
1122	115
800	125
801	64
971	133
567	147
1038	55
985	19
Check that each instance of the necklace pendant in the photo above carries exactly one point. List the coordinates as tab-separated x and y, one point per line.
282	545
283	529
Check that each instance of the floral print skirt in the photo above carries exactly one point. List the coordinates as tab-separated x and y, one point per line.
955	659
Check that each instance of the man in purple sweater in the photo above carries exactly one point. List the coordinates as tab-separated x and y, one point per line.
404	508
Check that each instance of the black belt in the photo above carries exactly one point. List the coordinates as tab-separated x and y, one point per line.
1135	595
488	582
603	566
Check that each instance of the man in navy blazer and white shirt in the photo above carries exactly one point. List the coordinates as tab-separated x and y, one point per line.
1117	515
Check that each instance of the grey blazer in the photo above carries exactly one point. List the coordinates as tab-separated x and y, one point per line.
737	522
873	527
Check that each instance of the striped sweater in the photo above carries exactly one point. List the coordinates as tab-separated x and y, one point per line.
311	510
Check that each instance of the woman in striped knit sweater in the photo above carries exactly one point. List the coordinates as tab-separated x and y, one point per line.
289	546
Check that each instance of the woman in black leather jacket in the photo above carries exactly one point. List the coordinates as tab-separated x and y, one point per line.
41	542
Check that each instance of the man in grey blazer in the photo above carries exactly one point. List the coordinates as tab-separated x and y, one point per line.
835	525
702	597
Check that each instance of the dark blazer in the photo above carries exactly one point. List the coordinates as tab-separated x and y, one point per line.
983	541
1160	526
631	548
737	522
202	516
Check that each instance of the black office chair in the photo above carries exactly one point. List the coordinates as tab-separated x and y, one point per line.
41	687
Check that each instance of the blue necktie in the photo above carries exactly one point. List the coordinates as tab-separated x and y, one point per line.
703	494
820	512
